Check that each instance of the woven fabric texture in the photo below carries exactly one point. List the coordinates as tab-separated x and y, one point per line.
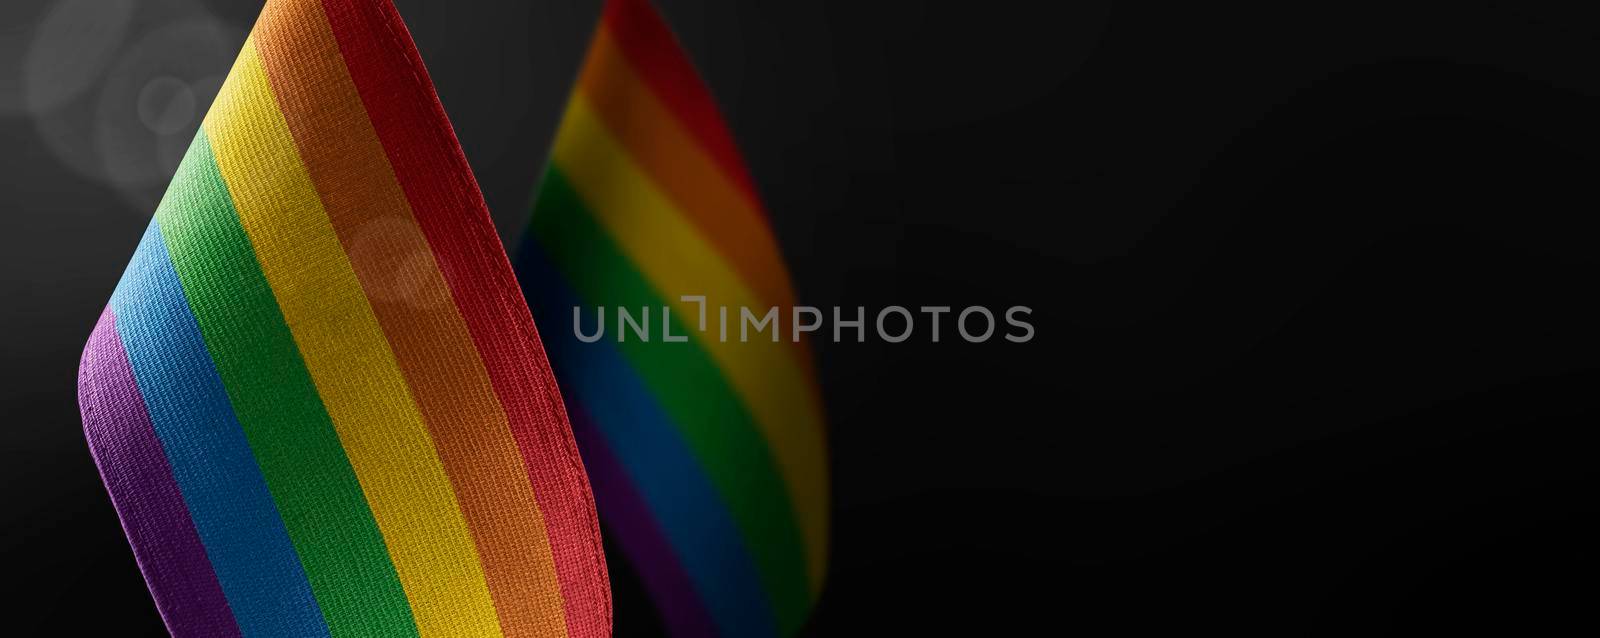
317	398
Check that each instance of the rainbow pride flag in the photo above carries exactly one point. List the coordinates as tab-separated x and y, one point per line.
316	398
707	456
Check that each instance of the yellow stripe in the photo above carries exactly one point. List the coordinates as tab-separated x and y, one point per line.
678	261
676	160
348	357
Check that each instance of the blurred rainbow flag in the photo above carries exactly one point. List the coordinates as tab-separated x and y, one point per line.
707	456
316	397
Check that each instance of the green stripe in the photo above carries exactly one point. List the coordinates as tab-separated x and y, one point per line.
691	389
290	433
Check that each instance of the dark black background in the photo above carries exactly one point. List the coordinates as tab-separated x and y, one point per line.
1313	288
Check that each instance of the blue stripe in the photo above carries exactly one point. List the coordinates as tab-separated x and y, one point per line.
223	488
659	463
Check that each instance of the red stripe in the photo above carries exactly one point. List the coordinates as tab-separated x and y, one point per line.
654	52
444	197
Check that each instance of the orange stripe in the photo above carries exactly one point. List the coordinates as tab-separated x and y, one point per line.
722	209
647	41
412	302
672	156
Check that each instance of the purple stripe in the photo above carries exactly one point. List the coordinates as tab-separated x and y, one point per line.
628	521
135	471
